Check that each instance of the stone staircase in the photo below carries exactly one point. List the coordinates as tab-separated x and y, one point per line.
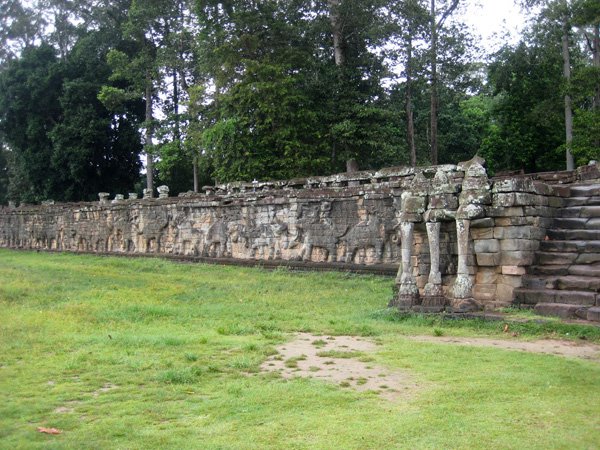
565	281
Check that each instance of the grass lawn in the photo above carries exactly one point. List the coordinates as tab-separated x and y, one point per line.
147	353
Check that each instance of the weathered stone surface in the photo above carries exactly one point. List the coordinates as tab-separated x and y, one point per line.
487	246
517	258
500	211
528	245
504	293
486	222
514	270
565	311
460	244
103	197
163	191
482	233
593	314
524	232
487	275
535	296
484	292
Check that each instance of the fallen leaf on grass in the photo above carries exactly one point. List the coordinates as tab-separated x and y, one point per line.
48	430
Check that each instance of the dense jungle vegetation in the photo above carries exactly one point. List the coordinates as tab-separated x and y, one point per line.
213	91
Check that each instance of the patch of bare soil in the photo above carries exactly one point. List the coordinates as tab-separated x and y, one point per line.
343	360
570	349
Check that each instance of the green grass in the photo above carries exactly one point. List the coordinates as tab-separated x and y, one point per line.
146	353
344	354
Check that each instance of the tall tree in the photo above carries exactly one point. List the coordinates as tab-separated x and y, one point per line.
438	17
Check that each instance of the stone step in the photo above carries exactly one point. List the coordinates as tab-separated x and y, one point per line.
585	190
574	235
563	283
570	246
562	310
580	211
582	201
535	296
555	258
593	314
566	269
578	223
589	270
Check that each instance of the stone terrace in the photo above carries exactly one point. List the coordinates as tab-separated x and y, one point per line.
458	240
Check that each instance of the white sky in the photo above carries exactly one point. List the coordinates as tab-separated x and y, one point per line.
492	19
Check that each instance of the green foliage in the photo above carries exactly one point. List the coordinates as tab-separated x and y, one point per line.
528	109
65	145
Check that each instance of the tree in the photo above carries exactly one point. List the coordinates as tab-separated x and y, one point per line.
29	107
528	105
99	148
20	27
438	17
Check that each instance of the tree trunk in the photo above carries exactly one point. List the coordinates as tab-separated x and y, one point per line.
177	128
336	29
434	91
596	50
148	144
195	167
596	53
410	123
568	101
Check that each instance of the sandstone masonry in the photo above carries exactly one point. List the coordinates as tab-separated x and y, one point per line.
460	240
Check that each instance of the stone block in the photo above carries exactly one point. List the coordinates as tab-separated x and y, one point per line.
505	293
543	211
565	311
504	200
487	276
476	184
513	185
511	280
556	202
486	222
508	245
593	314
443	201
488	259
487	246
484	292
516	232
475	197
499	211
482	233
470	211
513	270
523	199
517	258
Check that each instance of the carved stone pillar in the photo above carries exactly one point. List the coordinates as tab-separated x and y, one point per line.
475	194
414	203
463	284
434	300
408	293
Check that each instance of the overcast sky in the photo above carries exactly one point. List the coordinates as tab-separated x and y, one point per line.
489	18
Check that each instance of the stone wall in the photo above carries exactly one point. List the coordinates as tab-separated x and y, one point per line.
460	240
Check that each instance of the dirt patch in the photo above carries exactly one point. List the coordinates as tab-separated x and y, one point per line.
63	410
344	360
106	388
570	349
